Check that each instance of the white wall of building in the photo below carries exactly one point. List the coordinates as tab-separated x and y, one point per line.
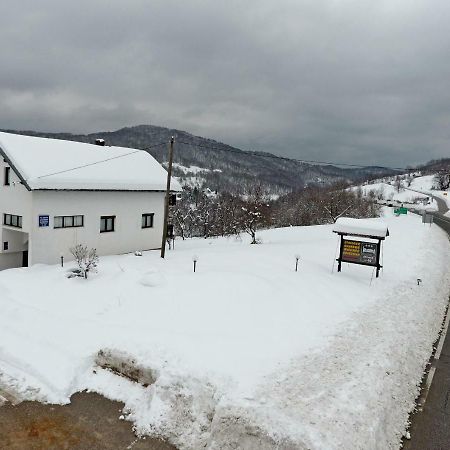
47	244
17	200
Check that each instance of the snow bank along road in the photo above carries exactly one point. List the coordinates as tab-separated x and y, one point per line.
245	353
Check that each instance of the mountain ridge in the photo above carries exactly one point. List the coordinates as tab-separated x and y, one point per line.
227	168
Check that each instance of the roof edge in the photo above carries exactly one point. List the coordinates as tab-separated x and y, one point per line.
13	167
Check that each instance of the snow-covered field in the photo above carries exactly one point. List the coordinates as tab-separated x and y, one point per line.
246	352
418	191
425	184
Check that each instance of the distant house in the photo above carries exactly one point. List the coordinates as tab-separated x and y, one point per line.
55	194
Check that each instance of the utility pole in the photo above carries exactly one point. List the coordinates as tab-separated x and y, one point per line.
166	202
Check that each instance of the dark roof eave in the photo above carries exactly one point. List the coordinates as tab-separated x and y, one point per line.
362	235
14	168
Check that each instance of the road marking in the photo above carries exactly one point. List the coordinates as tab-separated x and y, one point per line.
427	386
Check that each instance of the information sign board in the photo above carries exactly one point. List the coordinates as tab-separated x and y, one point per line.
360	252
44	221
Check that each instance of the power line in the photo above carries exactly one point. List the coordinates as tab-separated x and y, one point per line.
284	158
102	161
229	150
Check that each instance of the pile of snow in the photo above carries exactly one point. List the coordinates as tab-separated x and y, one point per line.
245	353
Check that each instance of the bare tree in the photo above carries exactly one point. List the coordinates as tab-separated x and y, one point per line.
253	213
442	180
316	206
380	193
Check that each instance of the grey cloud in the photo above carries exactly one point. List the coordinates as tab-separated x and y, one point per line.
352	81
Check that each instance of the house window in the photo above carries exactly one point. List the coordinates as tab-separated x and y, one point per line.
12	221
5	245
147	220
173	199
107	223
68	221
7	176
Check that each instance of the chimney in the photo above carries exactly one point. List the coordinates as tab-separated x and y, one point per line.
100	142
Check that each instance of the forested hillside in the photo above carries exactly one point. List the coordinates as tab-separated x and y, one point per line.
225	168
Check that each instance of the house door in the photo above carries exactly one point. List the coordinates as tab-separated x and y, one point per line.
25	258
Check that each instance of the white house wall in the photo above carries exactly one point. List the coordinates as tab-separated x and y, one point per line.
48	244
14	199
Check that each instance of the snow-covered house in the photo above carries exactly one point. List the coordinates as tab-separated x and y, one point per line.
55	194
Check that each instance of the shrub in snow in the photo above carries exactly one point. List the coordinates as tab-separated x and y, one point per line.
87	260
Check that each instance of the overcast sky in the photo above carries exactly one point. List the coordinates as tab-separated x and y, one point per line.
356	81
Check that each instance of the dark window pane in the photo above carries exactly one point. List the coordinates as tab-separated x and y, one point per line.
7	175
68	221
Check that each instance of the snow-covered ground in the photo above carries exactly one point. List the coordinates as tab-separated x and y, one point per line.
411	196
425	184
246	352
193	169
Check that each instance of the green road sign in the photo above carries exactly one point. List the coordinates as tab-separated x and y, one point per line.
401	210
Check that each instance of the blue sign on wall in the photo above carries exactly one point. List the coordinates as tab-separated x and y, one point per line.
44	221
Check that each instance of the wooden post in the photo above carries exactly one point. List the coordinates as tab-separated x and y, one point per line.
166	202
378	257
340	252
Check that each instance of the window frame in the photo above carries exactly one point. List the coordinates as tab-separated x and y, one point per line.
12	218
106	218
64	225
7	176
145	217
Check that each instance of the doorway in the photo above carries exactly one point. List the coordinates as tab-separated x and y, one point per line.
25	258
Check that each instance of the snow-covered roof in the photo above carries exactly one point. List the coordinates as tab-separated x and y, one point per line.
361	227
44	163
